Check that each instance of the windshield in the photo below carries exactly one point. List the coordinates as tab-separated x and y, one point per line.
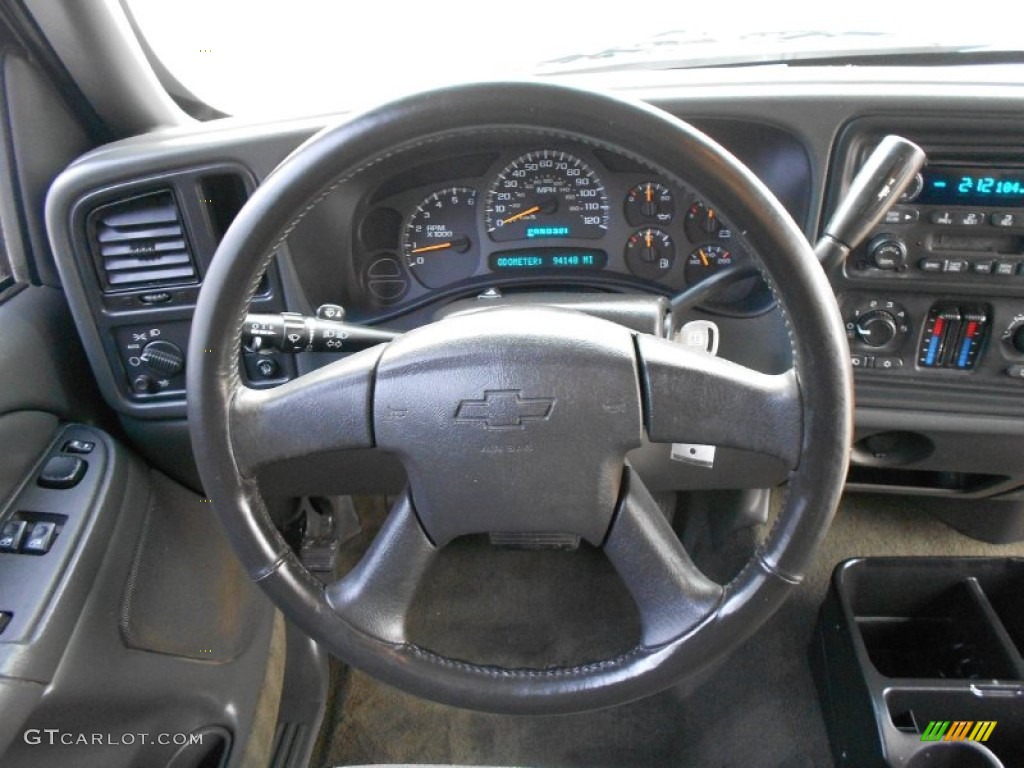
317	56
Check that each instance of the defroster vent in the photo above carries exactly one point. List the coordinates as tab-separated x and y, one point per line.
141	242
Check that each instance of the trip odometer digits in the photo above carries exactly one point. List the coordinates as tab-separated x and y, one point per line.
546	194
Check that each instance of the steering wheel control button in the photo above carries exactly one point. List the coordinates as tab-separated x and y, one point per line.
12	534
62	472
39	538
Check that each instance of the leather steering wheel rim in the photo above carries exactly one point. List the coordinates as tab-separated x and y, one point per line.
821	381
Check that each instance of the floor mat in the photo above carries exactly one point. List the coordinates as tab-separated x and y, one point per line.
758	709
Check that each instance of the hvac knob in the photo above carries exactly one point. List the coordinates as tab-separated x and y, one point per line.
876	328
163	358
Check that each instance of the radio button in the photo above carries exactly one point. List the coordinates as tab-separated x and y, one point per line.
945	218
983	267
901	215
931	265
1003	219
970	218
956	266
1006	268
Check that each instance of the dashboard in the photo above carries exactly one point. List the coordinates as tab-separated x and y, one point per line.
933	299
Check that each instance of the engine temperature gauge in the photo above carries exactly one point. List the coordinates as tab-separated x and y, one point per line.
650	253
649	203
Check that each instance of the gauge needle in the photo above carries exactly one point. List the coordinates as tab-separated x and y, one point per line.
521	214
648	239
458	243
703	257
650	194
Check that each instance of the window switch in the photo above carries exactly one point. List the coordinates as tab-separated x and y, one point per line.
11	535
78	446
62	472
40	539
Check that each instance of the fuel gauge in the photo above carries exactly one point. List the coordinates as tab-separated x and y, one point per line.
650	253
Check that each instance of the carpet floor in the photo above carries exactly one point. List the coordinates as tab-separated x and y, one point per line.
759	708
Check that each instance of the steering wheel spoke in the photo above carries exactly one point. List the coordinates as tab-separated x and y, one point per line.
690	397
326	410
374	597
671	594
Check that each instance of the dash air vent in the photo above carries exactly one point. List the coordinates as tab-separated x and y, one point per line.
141	242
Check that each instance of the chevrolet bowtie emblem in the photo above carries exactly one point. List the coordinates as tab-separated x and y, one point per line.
505	409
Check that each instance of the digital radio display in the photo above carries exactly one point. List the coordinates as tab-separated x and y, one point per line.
972	186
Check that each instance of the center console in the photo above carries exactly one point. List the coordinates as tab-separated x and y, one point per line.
933	302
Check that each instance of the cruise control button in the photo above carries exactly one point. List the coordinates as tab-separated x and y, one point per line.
1006	268
11	535
931	265
40	539
1003	219
944	218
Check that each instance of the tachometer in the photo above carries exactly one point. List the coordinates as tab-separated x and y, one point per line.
546	194
438	240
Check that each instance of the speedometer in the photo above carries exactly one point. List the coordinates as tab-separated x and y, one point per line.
546	194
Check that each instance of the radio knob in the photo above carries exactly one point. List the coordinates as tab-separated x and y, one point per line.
1018	338
164	358
887	252
876	328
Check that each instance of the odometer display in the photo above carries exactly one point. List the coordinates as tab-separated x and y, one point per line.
544	195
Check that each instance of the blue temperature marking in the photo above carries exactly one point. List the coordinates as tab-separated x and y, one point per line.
933	348
965	350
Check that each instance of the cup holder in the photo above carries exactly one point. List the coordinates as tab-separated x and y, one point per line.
954	754
905	646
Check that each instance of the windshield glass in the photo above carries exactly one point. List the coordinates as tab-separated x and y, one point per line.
316	56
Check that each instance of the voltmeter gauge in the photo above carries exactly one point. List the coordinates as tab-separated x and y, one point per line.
650	253
649	203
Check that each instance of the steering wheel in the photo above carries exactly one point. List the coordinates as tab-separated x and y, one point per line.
519	419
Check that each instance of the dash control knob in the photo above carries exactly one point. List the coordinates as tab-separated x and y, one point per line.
876	328
887	252
163	358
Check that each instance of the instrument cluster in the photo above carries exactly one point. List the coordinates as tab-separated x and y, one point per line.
566	216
